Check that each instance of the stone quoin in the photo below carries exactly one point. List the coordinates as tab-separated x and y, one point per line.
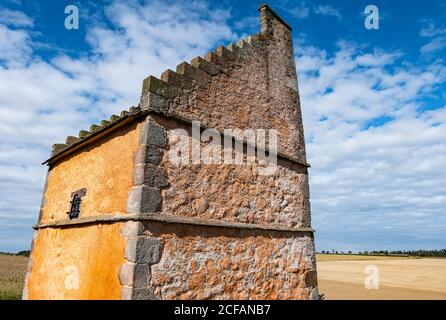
149	228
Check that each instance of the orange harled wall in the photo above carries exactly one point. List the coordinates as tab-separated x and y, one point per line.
105	169
89	254
77	263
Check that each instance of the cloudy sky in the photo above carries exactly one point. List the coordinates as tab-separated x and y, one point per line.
373	101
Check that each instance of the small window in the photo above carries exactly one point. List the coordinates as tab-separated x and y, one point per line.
75	203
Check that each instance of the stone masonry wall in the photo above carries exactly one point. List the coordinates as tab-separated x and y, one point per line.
232	193
202	249
250	84
168	261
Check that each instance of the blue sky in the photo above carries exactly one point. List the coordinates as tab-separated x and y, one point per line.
373	101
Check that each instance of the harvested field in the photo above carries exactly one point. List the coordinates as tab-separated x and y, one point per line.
12	276
344	276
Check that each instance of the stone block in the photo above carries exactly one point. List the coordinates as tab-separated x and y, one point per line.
154	154
206	66
159	87
126	274
154	102
156	135
144	294
134	199
151	201
141	276
155	176
132	229
143	250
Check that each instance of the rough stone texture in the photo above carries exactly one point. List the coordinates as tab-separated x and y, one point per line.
236	193
142	276
248	85
151	201
126	274
143	250
205	263
255	93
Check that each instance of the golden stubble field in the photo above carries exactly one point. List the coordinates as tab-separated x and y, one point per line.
340	277
344	277
12	276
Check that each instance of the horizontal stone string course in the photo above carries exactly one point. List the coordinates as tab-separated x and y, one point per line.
157	110
203	127
109	218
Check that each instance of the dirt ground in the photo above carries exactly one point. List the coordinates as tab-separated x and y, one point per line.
345	277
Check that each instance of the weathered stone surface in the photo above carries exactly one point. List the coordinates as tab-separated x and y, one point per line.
314	295
141	276
134	199
126	274
154	155
223	52
94	128
83	133
159	87
144	294
234	265
237	193
143	250
132	229
191	72
258	92
152	200
138	174
57	147
71	139
144	199
126	293
105	123
151	101
155	176
206	66
200	231
156	135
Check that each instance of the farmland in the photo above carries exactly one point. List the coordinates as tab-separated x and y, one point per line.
339	276
344	276
12	276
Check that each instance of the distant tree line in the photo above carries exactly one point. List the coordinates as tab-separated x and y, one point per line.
20	253
412	253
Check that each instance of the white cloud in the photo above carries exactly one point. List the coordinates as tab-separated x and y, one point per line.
15	18
434	45
297	10
42	101
328	10
378	183
431	29
437	35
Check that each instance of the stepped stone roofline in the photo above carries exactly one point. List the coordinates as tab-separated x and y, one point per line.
161	91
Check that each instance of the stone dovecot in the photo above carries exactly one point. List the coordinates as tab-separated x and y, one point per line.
178	198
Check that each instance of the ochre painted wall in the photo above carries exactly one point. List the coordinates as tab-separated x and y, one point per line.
93	252
104	168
